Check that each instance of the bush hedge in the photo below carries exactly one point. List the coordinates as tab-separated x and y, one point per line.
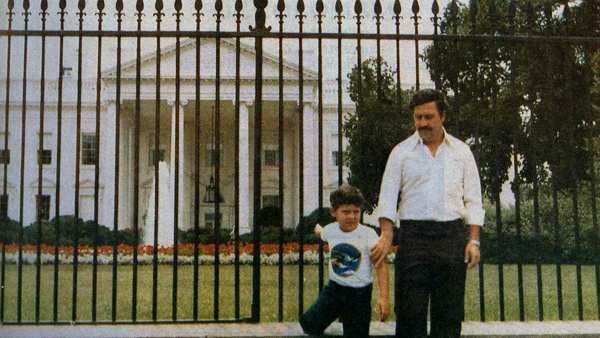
506	248
542	249
68	227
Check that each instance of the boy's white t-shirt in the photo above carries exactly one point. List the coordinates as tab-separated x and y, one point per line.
350	254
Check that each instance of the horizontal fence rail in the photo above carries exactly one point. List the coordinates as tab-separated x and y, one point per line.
166	162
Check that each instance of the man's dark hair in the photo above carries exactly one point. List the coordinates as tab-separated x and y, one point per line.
429	95
346	194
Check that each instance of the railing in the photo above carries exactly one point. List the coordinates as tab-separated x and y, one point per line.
112	73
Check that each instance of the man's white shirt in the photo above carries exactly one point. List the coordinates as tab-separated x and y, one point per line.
441	188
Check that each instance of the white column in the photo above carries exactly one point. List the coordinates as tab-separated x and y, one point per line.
311	158
182	204
131	169
107	163
244	163
125	173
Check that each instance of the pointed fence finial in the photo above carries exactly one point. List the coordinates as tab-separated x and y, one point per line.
397	8
358	8
300	6
377	8
415	7
139	6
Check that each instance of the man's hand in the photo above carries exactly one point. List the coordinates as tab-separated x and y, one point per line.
383	308
472	255
381	249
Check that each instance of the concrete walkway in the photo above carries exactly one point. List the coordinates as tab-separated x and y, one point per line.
288	330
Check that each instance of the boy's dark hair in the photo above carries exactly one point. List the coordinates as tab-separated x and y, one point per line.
429	95
346	194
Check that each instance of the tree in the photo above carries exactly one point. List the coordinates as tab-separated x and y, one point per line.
534	99
379	123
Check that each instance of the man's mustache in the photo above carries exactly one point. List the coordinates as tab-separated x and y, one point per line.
424	128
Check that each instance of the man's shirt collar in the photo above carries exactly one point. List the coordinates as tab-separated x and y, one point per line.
416	139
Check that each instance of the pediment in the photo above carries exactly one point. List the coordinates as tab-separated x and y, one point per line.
208	64
46	183
9	186
88	185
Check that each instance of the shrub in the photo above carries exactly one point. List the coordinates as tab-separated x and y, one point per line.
67	226
205	236
9	230
322	216
269	217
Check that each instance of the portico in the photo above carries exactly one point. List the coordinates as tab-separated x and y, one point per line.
197	149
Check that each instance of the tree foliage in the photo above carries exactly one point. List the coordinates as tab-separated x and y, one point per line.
533	98
381	121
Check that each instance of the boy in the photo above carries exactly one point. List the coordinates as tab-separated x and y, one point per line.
347	295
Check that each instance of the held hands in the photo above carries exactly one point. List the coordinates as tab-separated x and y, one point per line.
380	250
472	255
383	308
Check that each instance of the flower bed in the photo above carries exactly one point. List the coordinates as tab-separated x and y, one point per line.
165	255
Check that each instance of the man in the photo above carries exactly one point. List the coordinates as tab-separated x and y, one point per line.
436	179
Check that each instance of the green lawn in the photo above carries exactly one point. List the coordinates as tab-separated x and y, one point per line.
269	293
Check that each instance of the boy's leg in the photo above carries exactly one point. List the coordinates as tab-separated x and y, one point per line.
356	313
323	312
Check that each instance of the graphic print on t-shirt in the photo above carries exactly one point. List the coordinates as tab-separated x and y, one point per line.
345	259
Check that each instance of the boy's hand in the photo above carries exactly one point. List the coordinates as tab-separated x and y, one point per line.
383	308
318	229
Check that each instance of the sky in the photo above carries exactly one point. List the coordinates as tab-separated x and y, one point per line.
208	23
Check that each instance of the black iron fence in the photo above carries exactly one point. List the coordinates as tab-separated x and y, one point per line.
243	107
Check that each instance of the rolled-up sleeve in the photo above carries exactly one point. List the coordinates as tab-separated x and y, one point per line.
390	186
475	214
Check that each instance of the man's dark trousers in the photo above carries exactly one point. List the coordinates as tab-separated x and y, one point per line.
430	266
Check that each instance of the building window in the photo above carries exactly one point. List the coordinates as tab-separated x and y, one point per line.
4	156
335	158
66	72
209	219
43	207
270	200
154	155
271	157
45	157
3	205
88	149
211	155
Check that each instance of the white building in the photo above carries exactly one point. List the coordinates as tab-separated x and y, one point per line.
107	108
46	203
